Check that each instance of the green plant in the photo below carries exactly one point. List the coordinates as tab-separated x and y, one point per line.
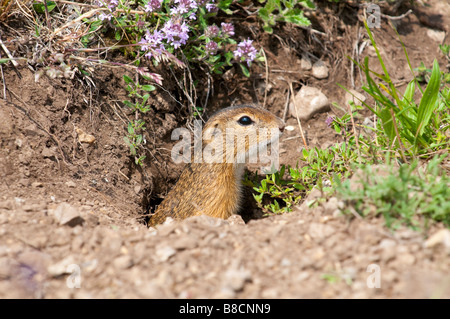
406	127
337	276
274	186
172	31
134	90
134	140
41	7
322	167
134	137
283	11
403	129
424	74
445	49
404	195
331	277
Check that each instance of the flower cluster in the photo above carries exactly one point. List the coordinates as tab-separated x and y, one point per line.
212	31
329	121
184	6
111	5
152	44
212	7
211	48
153	5
245	51
175	21
227	29
175	32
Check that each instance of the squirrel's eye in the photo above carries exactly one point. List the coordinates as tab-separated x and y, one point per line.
245	120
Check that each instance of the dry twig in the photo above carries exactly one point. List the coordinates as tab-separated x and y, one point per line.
298	118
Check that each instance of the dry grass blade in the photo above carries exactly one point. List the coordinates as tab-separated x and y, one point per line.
298	118
70	23
267	78
5	7
5	49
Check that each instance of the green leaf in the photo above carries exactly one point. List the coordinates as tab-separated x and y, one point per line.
40	7
295	174
118	35
132	149
428	103
258	198
148	88
387	122
282	170
264	185
228	57
127	79
5	60
268	29
215	58
145	98
263	14
299	186
409	92
202	21
129	104
298	19
224	4
244	69
307	3
140	160
130	128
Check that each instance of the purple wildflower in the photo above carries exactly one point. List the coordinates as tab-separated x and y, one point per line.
104	17
329	121
227	29
212	7
211	48
110	4
192	16
113	4
245	51
140	24
184	6
153	5
212	31
175	32
152	43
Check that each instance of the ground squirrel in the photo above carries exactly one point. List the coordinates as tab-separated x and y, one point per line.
213	187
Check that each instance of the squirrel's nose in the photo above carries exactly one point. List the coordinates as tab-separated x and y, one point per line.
281	128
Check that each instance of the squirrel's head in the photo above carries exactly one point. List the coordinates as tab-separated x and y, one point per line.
239	134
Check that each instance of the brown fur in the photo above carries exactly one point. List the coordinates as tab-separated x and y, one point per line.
214	189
